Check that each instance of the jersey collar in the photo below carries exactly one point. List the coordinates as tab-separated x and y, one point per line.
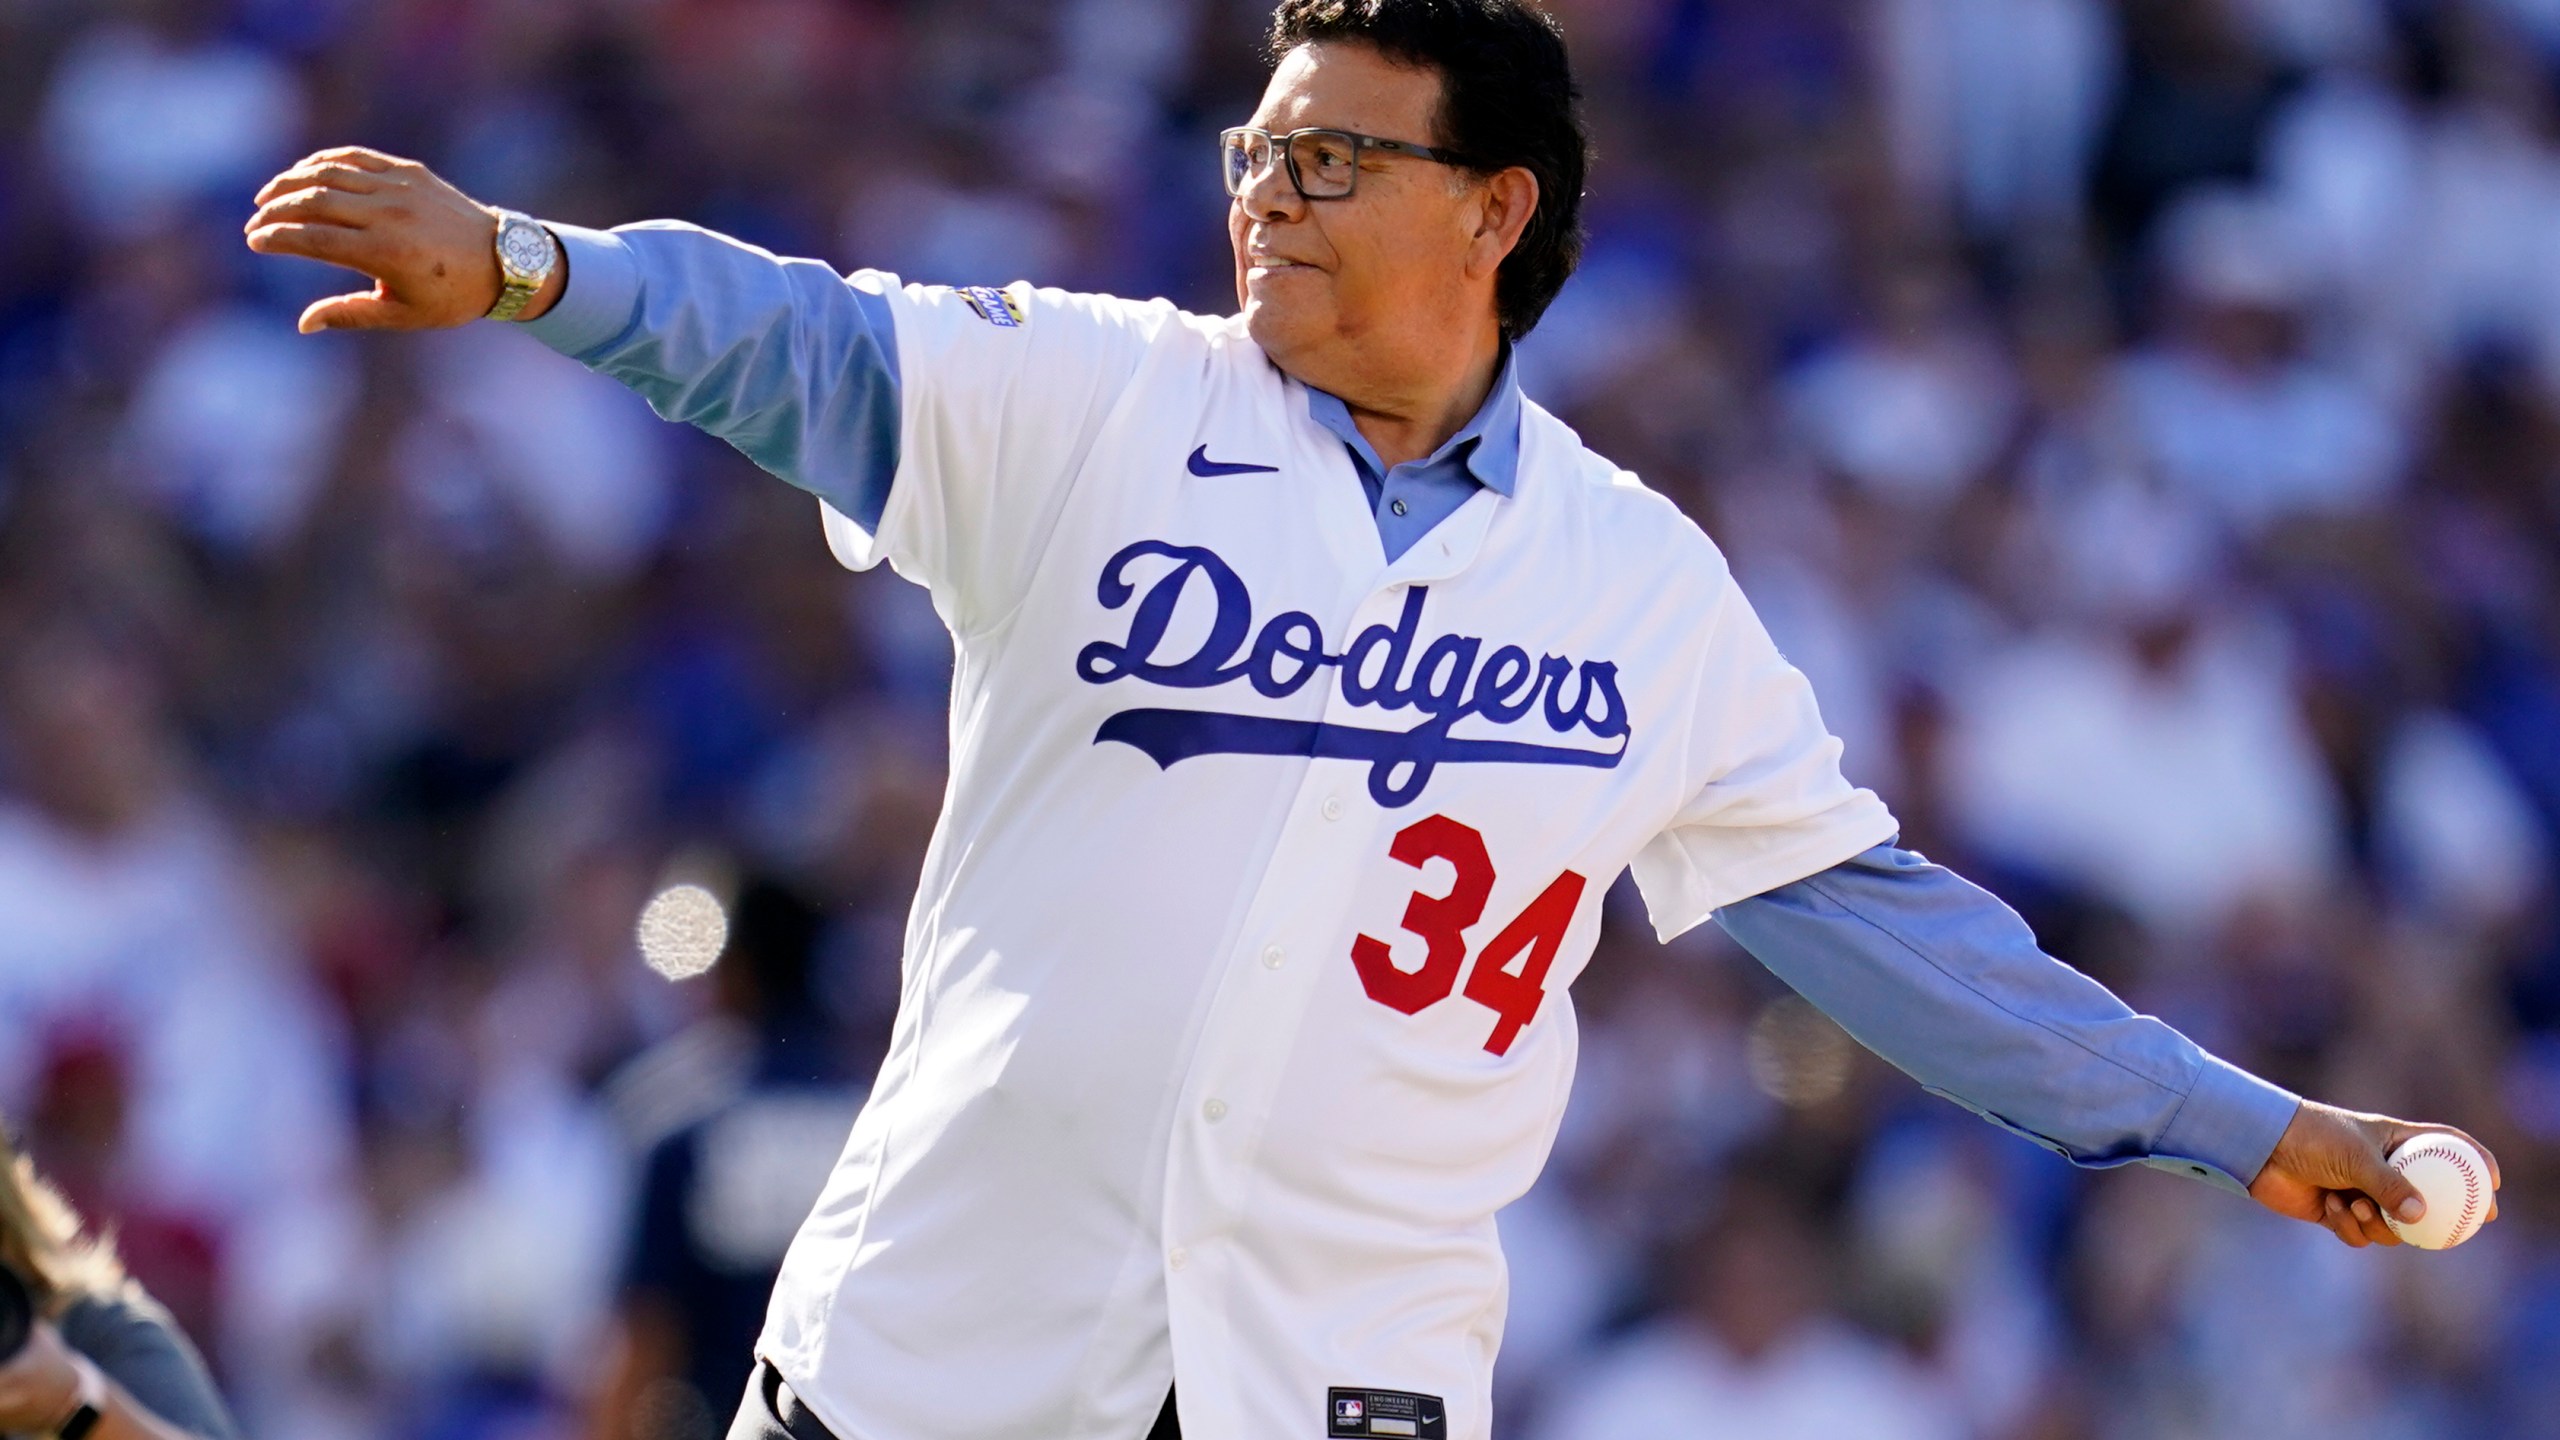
1486	449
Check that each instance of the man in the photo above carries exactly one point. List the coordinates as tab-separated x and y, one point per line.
1312	686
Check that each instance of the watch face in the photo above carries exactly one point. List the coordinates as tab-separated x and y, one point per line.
525	247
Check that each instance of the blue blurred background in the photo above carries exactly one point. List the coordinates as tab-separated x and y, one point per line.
2141	420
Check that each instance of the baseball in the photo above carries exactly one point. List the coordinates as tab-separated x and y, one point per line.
2453	1176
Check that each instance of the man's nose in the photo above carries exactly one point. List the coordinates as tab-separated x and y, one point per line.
1269	193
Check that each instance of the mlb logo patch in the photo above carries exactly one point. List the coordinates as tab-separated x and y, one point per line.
1356	1412
996	307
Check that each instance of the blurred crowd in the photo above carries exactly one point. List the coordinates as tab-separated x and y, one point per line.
2140	419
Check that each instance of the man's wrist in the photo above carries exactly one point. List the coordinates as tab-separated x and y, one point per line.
87	1402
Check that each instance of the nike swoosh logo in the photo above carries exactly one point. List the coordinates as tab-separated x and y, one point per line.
1201	464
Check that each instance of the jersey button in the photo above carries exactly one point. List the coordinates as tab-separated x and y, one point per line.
1272	956
1333	807
1177	1257
1216	1110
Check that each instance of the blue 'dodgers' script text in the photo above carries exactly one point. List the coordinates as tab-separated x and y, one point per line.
1448	680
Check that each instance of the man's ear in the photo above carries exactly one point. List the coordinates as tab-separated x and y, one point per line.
1510	199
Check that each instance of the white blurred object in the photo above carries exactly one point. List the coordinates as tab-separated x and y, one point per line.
2178	792
2261	448
1846	650
136	127
2319	33
511	1269
1618	309
2480	264
2285	1325
1797	1055
2452	1176
1995	104
2228	246
2457	831
2343	162
573	452
1935	1237
1909	420
929	232
235	1059
682	931
762	1165
1565	1272
236	424
1823	1382
2258	437
2126	553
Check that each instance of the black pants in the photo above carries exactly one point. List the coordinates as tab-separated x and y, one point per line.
771	1412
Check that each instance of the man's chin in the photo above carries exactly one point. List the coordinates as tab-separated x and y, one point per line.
1281	329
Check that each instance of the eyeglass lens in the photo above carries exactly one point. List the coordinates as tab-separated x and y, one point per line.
1324	162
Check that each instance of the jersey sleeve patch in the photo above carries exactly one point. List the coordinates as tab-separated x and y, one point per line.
996	307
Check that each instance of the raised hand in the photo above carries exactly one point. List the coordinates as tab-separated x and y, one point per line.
428	248
2331	1169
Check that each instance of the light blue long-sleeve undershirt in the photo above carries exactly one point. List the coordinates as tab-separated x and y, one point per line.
799	371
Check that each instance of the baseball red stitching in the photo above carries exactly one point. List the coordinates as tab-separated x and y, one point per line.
2472	1189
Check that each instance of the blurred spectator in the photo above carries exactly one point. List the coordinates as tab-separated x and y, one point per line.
1751	1346
737	1121
155	110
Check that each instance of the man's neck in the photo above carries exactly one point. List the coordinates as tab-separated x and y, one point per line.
1408	423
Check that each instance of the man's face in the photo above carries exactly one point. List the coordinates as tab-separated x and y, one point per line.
1333	289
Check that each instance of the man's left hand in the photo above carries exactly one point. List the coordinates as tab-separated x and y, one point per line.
2331	1168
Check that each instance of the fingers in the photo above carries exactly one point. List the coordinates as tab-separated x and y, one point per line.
325	207
374	311
352	179
337	244
2392	1190
2355	1220
2368	1218
362	156
2341	1222
350	167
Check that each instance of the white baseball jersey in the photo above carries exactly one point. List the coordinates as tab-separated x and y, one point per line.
1235	1000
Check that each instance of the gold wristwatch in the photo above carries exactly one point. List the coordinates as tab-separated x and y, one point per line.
527	254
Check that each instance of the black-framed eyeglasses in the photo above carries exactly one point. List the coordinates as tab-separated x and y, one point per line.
1323	164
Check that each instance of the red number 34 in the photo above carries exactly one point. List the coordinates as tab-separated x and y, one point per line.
1441	920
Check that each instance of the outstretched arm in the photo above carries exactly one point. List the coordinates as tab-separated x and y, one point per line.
788	361
1948	984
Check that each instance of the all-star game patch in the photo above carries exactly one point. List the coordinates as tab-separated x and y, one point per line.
1399	1413
994	306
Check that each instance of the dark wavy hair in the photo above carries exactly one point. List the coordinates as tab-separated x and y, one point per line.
1507	98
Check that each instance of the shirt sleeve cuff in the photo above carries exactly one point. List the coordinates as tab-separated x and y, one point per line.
2227	1128
596	304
